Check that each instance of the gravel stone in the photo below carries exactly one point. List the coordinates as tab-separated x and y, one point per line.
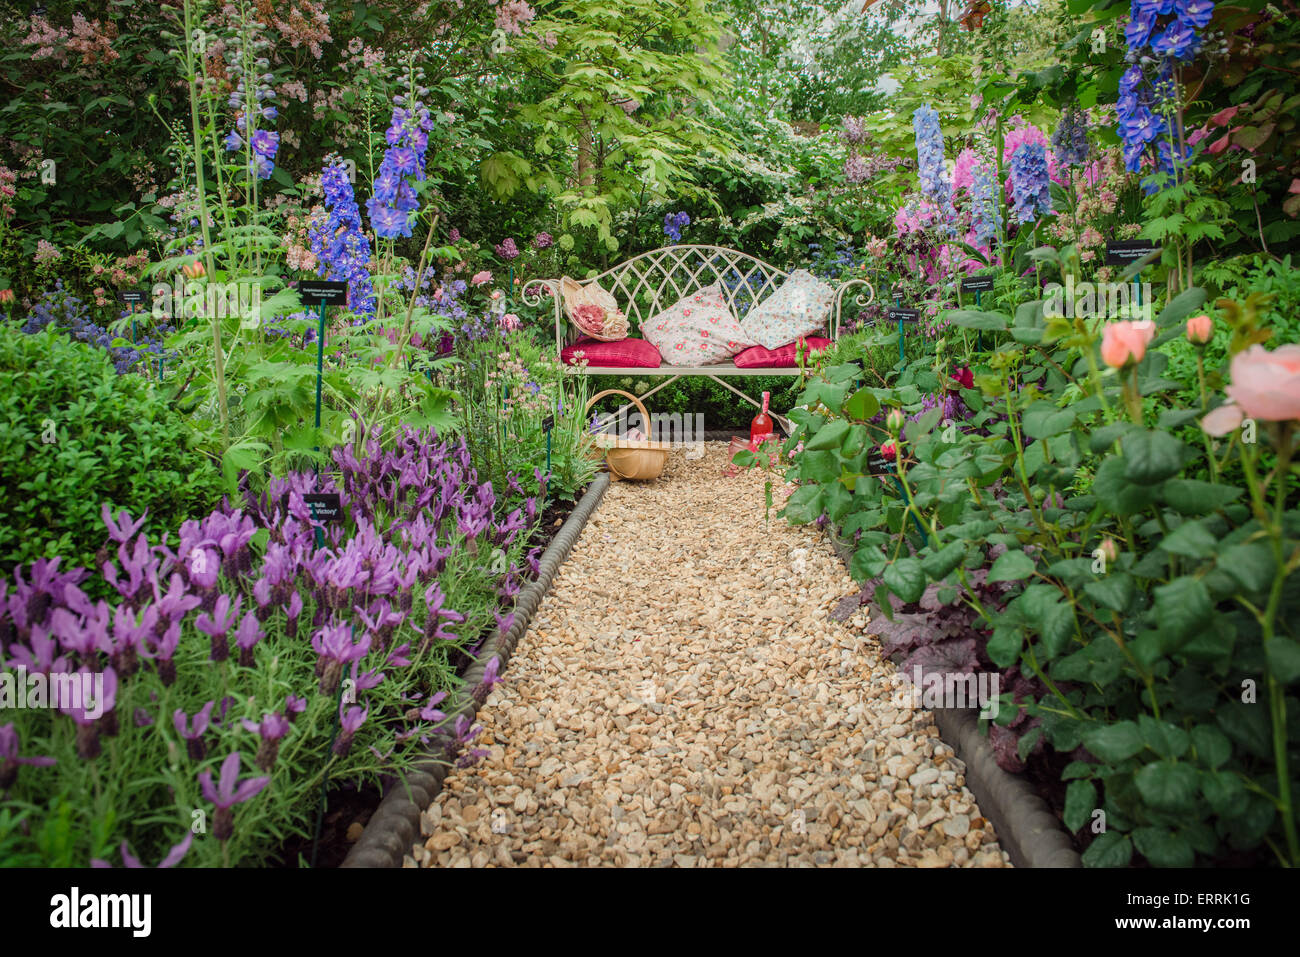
682	698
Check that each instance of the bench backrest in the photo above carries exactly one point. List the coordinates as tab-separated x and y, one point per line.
647	284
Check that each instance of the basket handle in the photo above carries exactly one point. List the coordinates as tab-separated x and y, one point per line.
645	416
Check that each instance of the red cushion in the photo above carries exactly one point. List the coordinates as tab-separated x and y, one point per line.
756	357
625	354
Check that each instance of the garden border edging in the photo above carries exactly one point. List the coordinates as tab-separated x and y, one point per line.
1025	826
395	825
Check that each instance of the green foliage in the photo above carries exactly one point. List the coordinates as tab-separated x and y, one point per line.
1173	659
76	436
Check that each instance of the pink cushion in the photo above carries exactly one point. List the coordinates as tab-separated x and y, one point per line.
756	357
625	354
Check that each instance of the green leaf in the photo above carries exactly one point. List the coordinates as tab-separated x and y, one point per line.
1191	539
1011	566
1223	790
862	405
938	565
804	506
1043	420
1004	646
1151	457
905	578
1168	786
1182	608
1080	802
1195	497
1114	743
1283	656
1110	849
975	319
1180	307
829	436
1166	740
1163	847
867	563
1251	565
1212	746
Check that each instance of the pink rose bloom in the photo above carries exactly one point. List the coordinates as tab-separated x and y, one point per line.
480	278
509	322
1200	330
1265	385
1126	341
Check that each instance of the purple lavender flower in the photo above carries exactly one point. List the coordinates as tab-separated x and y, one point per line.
193	732
335	648
349	724
229	792
272	728
219	623
9	759
129	860
123	530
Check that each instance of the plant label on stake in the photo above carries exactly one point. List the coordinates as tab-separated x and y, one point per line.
315	292
1125	252
978	285
132	297
548	424
901	315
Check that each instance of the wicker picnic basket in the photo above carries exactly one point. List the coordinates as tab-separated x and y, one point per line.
630	458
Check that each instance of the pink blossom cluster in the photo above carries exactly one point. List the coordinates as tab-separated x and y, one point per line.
7	190
294	90
512	15
46	253
90	39
307	24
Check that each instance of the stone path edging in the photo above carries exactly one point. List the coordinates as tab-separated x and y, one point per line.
1026	827
395	824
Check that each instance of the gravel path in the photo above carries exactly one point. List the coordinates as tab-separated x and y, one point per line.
683	699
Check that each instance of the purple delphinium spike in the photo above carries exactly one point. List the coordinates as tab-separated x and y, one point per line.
228	792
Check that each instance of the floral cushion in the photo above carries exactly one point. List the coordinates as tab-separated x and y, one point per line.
799	308
697	330
623	354
756	357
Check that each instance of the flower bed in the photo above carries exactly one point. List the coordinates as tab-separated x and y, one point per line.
249	663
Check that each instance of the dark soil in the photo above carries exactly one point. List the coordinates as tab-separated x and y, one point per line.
346	805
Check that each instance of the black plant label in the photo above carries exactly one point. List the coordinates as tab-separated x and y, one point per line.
324	506
977	284
548	423
131	295
1122	252
318	292
899	314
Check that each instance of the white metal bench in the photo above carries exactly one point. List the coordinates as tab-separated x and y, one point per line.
647	284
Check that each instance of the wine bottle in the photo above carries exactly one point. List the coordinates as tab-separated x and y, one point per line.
760	430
